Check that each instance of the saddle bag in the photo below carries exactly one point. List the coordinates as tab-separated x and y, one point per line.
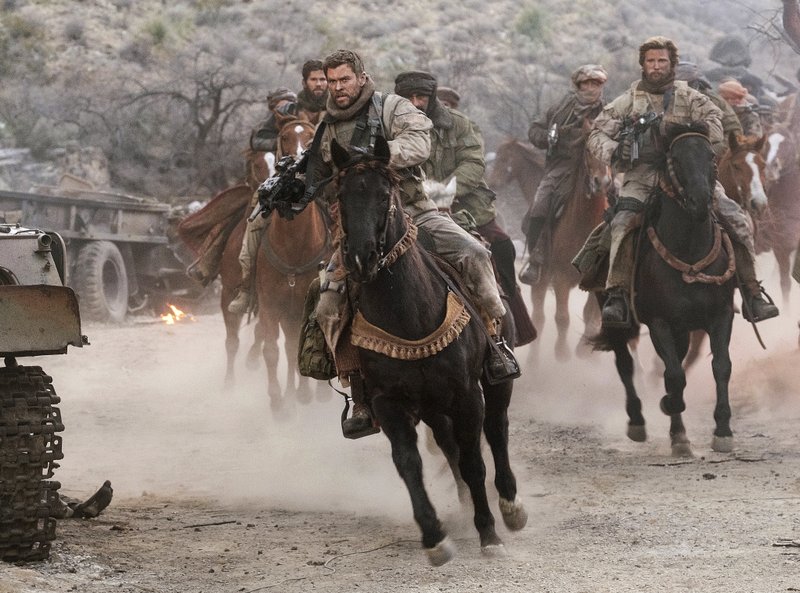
314	359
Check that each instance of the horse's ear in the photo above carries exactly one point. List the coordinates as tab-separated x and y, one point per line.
760	144
339	155
382	151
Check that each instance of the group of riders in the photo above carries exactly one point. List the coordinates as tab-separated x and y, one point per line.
429	138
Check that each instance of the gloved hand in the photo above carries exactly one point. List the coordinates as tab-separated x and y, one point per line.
622	154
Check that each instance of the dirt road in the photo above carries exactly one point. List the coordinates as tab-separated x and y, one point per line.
213	494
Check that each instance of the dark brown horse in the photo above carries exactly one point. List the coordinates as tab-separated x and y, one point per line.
779	228
581	213
424	360
684	282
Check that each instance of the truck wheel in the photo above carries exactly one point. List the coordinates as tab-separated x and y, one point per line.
29	450
101	282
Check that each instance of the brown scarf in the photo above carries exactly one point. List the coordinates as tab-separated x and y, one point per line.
656	88
335	113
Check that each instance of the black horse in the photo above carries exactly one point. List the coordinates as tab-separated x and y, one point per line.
409	377
673	297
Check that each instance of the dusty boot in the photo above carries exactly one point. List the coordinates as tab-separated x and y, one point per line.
755	307
616	312
243	301
501	364
95	504
531	272
360	424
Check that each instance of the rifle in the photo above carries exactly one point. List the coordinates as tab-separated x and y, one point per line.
283	191
552	139
635	128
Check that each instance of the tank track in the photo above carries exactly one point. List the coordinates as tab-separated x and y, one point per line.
29	451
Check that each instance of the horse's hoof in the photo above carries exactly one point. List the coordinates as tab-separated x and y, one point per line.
722	444
637	433
494	550
442	552
682	448
514	514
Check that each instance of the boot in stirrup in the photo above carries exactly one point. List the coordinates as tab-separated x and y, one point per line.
757	308
243	301
616	312
501	364
360	424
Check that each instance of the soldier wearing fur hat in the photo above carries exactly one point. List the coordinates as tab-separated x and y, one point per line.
356	113
659	93
457	151
560	132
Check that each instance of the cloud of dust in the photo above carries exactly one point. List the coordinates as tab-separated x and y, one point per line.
145	407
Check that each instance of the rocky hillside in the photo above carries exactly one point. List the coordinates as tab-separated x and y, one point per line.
169	90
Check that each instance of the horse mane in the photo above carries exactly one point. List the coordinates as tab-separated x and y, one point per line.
674	129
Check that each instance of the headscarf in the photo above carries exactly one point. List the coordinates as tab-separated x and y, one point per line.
591	97
732	91
445	93
589	72
278	95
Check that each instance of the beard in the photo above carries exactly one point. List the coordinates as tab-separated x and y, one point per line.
658	77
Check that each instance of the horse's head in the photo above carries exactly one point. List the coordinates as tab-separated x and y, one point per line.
599	173
781	153
370	212
742	172
690	172
294	137
442	194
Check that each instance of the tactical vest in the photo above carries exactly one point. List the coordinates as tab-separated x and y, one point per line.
676	107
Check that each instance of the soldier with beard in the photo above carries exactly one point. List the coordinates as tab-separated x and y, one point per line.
284	106
659	93
560	132
356	114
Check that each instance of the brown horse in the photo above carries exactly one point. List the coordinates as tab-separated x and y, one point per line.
779	229
582	211
517	161
286	262
741	172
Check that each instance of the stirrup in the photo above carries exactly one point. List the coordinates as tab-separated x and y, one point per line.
500	365
748	306
609	321
357	427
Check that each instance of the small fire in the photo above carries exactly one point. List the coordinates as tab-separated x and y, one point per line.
175	316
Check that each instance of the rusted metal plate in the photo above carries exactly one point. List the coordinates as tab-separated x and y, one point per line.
38	320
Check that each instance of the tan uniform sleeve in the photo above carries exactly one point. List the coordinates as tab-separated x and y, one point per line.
602	141
410	141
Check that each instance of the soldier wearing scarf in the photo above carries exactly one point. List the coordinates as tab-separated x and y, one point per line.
560	132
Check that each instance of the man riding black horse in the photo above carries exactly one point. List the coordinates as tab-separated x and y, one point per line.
638	156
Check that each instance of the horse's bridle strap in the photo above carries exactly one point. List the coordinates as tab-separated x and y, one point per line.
694	272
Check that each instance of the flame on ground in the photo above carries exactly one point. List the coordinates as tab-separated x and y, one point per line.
175	316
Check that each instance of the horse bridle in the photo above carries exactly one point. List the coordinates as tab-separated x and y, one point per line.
410	235
672	186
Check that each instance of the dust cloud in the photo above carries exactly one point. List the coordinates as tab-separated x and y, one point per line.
145	407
